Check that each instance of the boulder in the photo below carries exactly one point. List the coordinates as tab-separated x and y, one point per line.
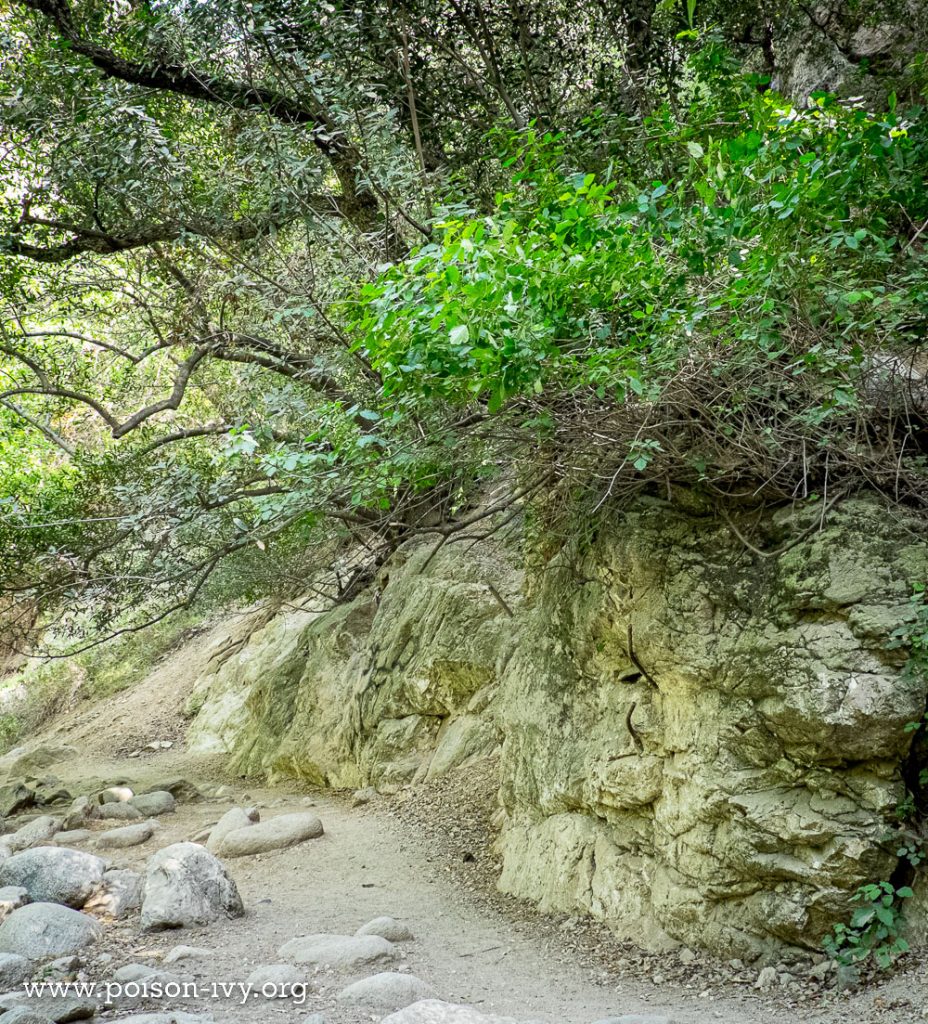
29	762
39	830
126	836
185	886
339	952
60	1009
234	819
12	897
433	1011
175	1017
16	797
72	837
54	874
14	969
119	812
274	834
153	804
25	1015
386	928
82	810
187	953
280	978
42	931
183	791
119	893
386	991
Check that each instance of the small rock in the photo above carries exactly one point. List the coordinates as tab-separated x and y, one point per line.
338	952
847	977
274	834
185	885
387	928
686	956
186	953
54	874
126	836
41	931
766	979
119	812
386	992
279	979
154	804
16	797
360	797
72	837
148	974
433	1011
175	1017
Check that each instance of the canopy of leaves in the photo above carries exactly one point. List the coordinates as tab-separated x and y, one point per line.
283	285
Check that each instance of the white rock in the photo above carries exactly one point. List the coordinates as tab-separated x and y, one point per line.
14	969
186	953
125	836
279	979
39	830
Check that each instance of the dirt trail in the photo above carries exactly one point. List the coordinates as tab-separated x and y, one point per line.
372	862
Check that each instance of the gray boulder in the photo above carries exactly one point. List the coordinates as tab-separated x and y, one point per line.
153	804
54	874
175	1017
127	835
279	977
16	797
234	819
118	895
433	1011
25	1015
39	830
12	897
274	834
59	1009
14	969
183	790
387	991
339	952
386	928
44	755
185	886
82	810
637	1018
118	812
42	931
72	836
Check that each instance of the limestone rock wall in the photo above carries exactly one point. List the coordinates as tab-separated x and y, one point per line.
700	741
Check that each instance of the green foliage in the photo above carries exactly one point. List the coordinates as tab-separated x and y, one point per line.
874	928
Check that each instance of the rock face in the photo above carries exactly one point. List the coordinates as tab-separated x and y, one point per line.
54	874
186	886
697	740
41	931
